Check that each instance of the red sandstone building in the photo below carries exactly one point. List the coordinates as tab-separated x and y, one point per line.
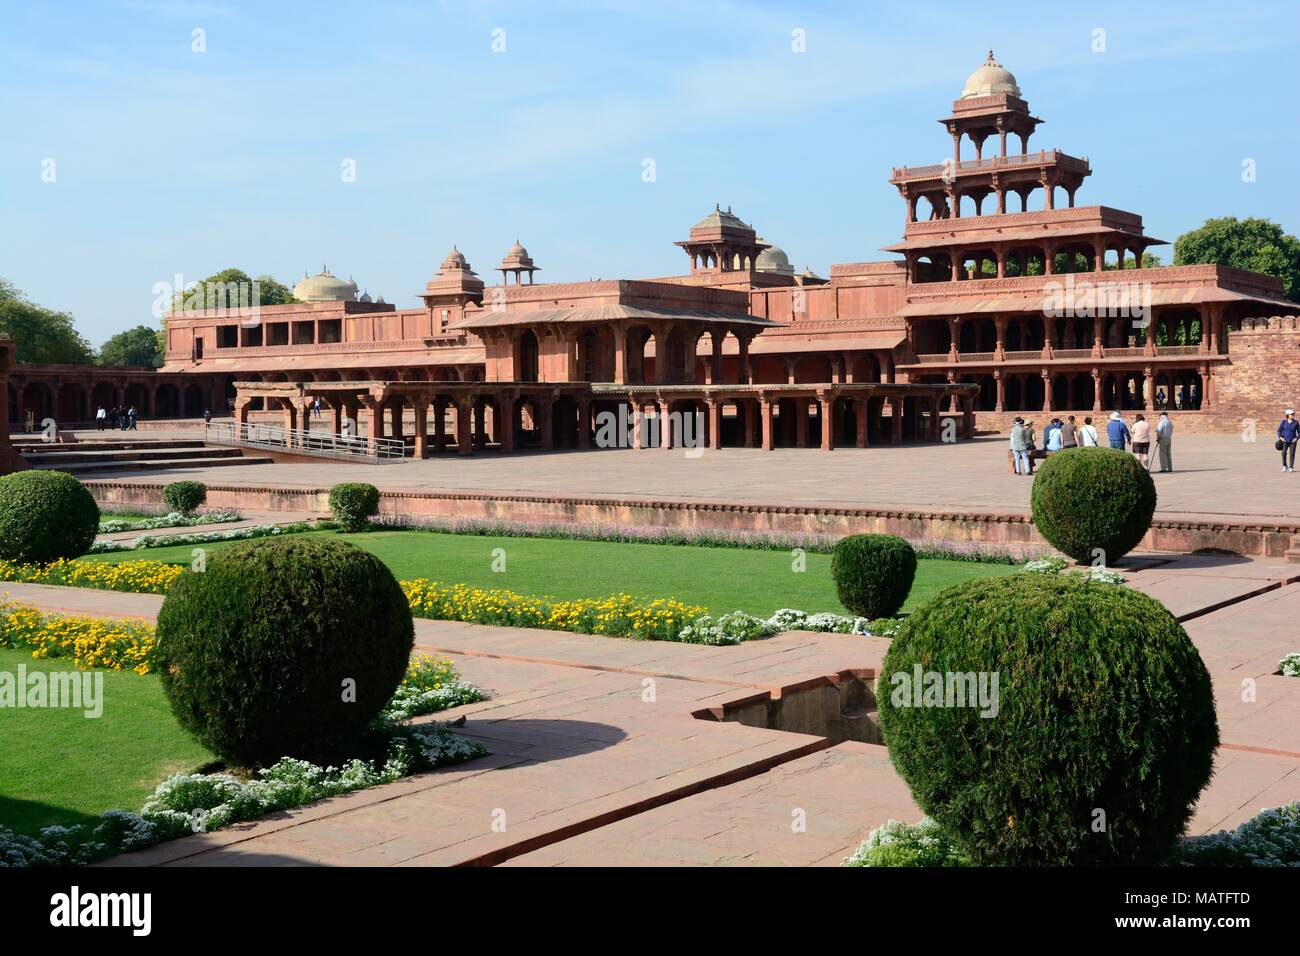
1005	295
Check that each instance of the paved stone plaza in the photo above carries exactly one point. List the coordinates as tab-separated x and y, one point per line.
1214	475
599	755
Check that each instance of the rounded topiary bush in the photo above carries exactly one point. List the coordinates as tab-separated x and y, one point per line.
873	573
185	496
1093	503
285	647
45	516
1090	748
352	503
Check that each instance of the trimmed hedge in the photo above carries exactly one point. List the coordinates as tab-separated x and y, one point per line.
283	647
873	573
185	496
45	516
1102	706
1090	500
352	503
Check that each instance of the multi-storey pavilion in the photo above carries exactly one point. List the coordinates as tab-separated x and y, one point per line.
1037	305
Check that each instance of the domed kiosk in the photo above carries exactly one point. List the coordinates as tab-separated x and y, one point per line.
325	287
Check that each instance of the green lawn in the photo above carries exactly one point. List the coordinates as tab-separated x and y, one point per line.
721	579
59	767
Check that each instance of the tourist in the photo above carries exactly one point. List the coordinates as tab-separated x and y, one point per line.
1195	396
1019	447
100	416
1142	441
1287	434
1164	442
29	421
1088	434
1053	437
207	416
1069	434
315	407
1117	432
1031	444
131	416
112	417
1160	398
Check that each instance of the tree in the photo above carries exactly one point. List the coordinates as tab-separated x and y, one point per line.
40	335
232	288
1257	245
137	346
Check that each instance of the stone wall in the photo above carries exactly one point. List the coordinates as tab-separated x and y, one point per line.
1263	379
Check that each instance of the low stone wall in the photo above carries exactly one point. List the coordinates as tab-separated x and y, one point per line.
1004	530
1185	422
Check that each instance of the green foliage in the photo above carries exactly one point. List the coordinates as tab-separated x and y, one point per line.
1257	245
185	496
45	516
1093	502
137	346
1102	706
900	844
232	288
40	335
352	503
284	647
873	573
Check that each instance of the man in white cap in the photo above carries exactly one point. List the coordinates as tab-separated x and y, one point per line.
1117	431
1287	434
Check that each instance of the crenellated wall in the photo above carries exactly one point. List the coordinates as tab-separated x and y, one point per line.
1263	379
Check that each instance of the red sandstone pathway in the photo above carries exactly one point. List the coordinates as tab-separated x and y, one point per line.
1217	475
596	759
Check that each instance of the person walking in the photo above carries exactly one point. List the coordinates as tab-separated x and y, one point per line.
207	416
1069	434
1194	394
1287	434
1142	441
1020	447
1117	432
100	416
1165	441
1088	434
315	407
131	417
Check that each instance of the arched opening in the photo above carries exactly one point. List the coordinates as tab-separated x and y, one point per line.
813	369
194	402
72	404
167	399
527	352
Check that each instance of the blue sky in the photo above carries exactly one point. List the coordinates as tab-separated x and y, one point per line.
169	161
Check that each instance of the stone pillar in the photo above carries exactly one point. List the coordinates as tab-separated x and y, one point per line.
666	436
765	407
954	333
374	415
505	421
745	375
480	423
439	424
801	422
620	355
1049	335
421	427
750	411
826	405
1096	390
1148	389
397	408
1047	390
1207	386
896	420
290	422
862	432
715	360
464	426
545	412
791	365
584	423
1098	334
1000	382
336	415
661	356
715	424
968	416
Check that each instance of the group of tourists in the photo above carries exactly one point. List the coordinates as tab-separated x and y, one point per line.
1062	435
118	418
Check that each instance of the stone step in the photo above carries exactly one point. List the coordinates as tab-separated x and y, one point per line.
75	456
145	464
143	444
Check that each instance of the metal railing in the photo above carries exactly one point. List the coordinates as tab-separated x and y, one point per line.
300	442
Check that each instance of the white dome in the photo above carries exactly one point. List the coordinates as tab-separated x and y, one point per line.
773	259
324	287
991	79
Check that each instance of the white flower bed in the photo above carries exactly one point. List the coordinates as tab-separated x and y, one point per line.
173	519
